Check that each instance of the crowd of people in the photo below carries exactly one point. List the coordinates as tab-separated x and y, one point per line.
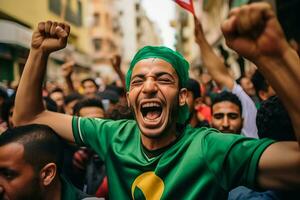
158	134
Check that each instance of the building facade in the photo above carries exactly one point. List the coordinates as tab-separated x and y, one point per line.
18	19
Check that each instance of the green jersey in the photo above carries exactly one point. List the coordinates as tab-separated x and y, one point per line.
200	164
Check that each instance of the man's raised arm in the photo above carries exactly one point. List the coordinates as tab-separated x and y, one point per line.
211	61
255	33
47	38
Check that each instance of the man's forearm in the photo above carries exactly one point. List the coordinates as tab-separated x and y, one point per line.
283	73
29	101
215	66
70	87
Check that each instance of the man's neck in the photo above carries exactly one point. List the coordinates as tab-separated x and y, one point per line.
54	191
152	144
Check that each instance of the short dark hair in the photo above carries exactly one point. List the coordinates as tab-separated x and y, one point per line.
120	111
50	104
193	86
87	102
227	96
7	105
273	121
3	93
71	97
41	144
57	89
259	82
89	79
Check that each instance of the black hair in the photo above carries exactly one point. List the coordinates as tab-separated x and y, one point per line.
71	97
7	105
273	121
111	95
50	104
259	82
227	96
87	102
41	144
120	111
56	90
119	90
193	86
90	79
3	93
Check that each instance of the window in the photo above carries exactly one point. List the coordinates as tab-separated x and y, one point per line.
97	44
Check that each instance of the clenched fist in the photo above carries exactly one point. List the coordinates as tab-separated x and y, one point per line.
50	36
254	32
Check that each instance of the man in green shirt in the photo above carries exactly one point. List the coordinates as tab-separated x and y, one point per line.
154	156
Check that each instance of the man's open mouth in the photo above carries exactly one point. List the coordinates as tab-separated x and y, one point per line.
151	111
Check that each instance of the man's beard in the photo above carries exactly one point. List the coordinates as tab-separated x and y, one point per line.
33	190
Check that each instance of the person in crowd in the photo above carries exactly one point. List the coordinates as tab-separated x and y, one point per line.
227	113
70	101
90	87
109	98
217	69
247	85
58	96
82	165
8	110
193	101
4	110
116	64
273	121
30	168
3	98
89	107
153	156
262	88
67	71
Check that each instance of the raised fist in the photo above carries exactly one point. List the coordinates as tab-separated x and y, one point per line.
67	68
253	31
50	36
116	62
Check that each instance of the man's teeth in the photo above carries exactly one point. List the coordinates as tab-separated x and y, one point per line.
146	105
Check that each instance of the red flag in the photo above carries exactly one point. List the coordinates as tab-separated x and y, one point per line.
186	4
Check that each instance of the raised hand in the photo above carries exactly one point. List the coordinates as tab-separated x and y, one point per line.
50	36
116	62
67	68
254	32
198	32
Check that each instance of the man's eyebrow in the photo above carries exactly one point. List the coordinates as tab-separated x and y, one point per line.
164	73
219	113
140	75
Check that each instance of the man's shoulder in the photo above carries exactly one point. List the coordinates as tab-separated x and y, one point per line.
201	132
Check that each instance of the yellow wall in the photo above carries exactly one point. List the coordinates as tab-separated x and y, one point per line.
31	12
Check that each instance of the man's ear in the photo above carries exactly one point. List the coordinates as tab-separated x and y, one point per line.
48	173
182	96
127	98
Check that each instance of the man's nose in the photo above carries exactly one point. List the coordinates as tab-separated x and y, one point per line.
150	86
225	122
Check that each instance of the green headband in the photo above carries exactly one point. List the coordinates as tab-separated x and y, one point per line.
177	61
